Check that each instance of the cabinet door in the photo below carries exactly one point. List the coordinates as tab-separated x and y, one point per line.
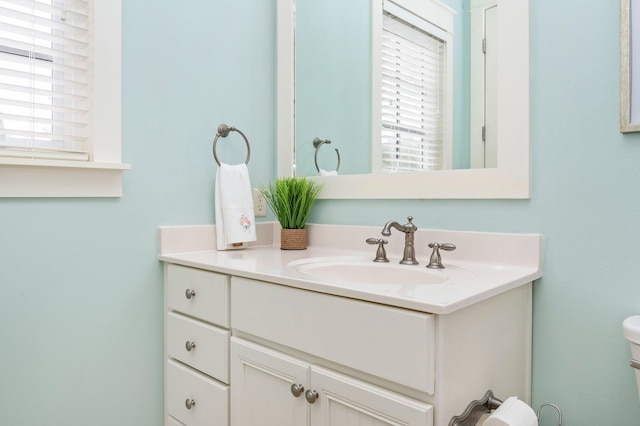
261	392
343	401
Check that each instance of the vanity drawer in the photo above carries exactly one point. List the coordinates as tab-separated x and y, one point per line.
210	299
211	398
211	352
391	343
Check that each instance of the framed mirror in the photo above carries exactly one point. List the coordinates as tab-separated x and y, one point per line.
510	179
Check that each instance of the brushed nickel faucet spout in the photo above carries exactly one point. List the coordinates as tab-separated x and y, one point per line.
409	255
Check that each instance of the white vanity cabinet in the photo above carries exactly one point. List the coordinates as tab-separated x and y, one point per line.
196	347
245	352
249	332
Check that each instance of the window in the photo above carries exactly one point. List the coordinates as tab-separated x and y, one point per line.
414	97
45	95
60	98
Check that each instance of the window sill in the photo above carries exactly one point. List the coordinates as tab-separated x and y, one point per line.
21	177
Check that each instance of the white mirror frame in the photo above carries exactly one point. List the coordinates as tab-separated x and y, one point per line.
509	180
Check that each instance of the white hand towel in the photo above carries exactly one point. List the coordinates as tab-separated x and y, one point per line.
328	173
235	220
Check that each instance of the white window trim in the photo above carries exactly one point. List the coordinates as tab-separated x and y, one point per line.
102	177
435	13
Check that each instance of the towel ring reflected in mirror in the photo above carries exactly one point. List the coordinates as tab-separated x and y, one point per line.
223	131
317	143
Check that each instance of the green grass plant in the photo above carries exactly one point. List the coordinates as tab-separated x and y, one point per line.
291	200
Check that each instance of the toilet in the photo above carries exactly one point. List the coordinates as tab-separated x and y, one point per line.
631	330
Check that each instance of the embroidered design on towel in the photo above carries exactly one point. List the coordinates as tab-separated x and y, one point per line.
245	223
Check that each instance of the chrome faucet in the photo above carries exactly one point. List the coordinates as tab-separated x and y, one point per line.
409	255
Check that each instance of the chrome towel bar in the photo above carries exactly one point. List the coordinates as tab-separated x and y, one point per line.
223	131
317	143
476	409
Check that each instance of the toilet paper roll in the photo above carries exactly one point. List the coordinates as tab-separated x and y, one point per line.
512	412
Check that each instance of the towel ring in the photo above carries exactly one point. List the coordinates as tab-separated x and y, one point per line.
317	143
223	131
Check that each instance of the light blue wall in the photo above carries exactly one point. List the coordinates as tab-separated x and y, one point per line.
333	67
81	304
461	153
81	310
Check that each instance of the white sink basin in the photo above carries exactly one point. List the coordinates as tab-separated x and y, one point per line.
363	270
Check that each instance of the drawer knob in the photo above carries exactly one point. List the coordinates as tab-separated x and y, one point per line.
296	390
189	293
190	346
311	396
189	403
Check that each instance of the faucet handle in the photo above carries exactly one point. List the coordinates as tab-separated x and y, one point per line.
381	253
443	246
435	262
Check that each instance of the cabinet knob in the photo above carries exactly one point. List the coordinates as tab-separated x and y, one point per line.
311	396
189	403
189	293
190	345
296	390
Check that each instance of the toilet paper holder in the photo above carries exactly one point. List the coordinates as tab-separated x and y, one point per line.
476	409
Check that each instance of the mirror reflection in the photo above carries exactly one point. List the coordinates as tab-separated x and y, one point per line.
395	86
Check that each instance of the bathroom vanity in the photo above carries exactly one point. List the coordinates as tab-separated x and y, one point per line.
262	336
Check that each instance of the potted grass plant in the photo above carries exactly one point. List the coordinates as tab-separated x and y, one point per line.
291	200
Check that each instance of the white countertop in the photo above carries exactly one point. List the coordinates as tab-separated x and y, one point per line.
482	266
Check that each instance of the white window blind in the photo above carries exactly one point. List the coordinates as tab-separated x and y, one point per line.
413	94
45	68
